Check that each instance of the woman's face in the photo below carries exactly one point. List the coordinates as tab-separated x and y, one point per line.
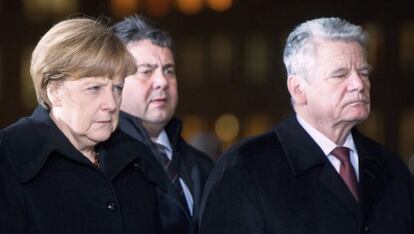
86	110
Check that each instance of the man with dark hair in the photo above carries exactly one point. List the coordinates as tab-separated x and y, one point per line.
314	173
148	106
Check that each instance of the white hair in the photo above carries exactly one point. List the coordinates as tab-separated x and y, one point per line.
300	45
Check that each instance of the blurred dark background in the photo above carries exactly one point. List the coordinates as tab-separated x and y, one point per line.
229	60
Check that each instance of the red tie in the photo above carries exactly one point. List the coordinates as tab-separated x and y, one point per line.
346	171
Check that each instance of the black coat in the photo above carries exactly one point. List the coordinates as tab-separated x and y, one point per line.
48	187
281	182
194	167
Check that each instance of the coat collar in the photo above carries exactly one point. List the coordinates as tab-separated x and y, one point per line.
297	144
303	154
29	142
133	127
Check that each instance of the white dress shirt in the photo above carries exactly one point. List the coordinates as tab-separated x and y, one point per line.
162	139
327	146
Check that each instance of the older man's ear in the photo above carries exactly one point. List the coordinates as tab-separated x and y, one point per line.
295	85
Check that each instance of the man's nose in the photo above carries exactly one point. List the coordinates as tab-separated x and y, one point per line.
159	80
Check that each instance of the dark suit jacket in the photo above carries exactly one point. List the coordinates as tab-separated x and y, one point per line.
281	182
194	169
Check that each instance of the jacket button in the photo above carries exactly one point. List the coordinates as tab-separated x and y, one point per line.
112	206
135	165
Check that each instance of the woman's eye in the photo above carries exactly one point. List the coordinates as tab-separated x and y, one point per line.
94	88
145	72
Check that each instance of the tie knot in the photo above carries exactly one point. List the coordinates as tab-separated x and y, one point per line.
341	153
162	156
160	147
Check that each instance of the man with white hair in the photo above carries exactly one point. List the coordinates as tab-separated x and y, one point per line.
314	172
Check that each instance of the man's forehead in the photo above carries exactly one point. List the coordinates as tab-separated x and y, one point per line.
146	44
340	52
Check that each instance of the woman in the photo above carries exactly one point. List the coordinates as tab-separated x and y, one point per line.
66	169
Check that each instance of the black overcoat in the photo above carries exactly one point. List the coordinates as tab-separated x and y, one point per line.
281	182
194	169
48	187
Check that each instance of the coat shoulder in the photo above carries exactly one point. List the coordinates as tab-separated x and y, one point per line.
391	162
254	146
22	144
249	154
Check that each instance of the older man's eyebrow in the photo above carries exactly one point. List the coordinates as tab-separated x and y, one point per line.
148	65
341	70
168	65
366	67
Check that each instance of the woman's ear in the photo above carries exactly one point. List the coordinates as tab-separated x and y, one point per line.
54	93
296	86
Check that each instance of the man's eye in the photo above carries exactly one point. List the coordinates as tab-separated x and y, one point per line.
364	73
169	71
118	88
340	75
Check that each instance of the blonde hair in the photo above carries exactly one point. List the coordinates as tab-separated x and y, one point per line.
78	48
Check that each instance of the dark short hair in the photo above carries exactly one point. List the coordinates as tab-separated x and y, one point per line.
136	28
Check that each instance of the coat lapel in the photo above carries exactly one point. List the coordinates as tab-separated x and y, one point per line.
371	170
304	154
151	167
197	189
331	180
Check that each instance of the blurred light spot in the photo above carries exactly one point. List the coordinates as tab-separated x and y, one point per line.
39	10
373	126
220	5
227	127
257	124
190	7
376	38
192	125
256	58
191	61
121	8
158	7
221	53
208	143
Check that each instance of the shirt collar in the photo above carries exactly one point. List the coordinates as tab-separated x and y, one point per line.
162	139
324	142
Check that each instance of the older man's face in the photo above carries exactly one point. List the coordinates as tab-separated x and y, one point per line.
338	88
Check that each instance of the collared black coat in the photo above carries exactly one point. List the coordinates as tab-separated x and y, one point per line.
48	187
194	168
281	182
